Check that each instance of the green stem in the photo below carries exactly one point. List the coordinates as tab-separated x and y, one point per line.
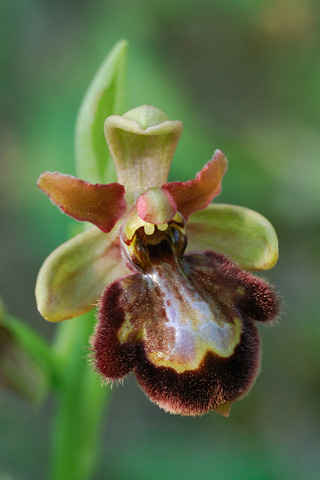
81	401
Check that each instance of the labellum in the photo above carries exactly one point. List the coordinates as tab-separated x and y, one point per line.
183	323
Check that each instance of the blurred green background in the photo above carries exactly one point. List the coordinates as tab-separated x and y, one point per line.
243	76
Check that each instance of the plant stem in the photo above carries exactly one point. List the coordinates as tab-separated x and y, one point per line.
81	402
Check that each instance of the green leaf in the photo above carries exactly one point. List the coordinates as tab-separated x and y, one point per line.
26	363
73	277
105	96
245	236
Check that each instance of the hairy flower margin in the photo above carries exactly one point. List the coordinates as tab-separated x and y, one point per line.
183	322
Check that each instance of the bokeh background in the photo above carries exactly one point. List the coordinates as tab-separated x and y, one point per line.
243	76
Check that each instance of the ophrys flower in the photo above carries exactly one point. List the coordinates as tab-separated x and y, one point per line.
183	322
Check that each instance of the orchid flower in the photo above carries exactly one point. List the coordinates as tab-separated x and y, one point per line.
167	269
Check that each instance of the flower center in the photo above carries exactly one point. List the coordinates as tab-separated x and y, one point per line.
147	245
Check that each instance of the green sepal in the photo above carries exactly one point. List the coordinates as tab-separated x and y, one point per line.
73	277
105	96
243	235
142	143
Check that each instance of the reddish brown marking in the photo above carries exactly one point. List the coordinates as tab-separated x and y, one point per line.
111	359
259	301
216	381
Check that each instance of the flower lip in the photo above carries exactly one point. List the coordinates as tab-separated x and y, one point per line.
156	324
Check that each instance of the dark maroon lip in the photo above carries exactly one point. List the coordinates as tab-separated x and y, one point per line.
140	298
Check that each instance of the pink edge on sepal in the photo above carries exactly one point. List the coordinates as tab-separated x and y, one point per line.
156	206
198	193
101	205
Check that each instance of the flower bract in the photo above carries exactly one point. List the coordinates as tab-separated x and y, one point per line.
167	269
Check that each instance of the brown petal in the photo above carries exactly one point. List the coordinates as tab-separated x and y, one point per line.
197	194
102	205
